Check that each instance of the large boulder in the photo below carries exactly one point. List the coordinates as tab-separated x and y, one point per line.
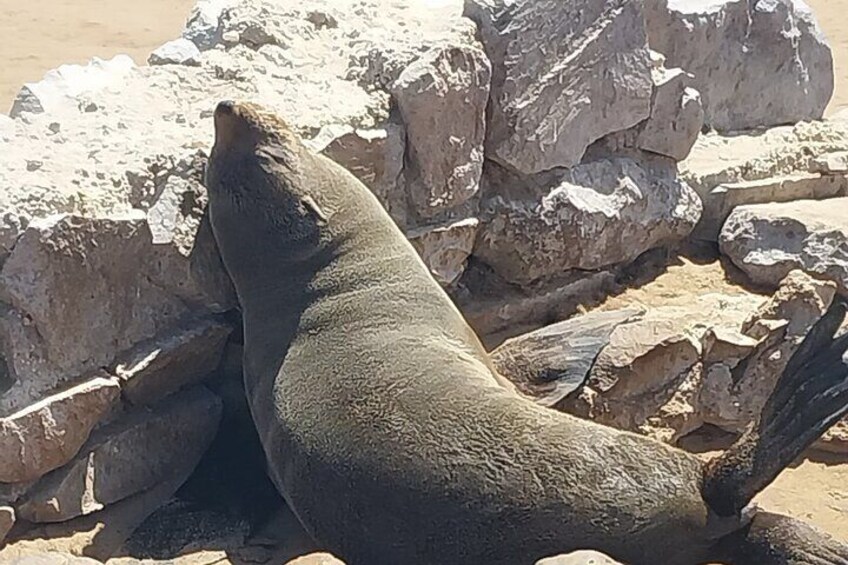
587	217
755	62
767	241
564	74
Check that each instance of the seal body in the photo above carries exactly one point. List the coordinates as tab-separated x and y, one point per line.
385	428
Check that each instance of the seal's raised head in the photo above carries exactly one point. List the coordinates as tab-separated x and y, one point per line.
243	127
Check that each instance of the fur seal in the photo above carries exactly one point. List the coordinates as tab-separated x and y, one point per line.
391	437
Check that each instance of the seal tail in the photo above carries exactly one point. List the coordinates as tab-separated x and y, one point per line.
810	396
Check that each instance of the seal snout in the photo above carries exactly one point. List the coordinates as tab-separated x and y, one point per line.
225	108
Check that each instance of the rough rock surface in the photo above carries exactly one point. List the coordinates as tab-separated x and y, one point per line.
767	241
445	249
756	63
7	520
180	358
177	52
442	97
730	398
778	165
316	559
46	435
564	74
586	217
129	456
52	558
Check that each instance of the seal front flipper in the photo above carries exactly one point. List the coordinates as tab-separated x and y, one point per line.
810	396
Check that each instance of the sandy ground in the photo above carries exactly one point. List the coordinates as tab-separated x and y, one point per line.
38	35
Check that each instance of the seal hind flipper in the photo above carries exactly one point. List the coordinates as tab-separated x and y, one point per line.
773	539
810	396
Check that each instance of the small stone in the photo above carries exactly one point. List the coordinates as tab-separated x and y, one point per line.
177	52
833	163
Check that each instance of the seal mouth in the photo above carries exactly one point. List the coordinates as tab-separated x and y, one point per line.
232	131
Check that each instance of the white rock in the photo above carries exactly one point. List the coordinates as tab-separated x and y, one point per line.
724	198
564	75
177	52
442	100
203	25
61	87
46	435
587	217
756	63
445	249
731	400
767	241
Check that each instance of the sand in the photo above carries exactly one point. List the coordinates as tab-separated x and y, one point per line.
38	35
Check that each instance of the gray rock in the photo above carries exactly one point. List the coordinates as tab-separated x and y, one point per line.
677	115
46	435
7	520
756	62
129	456
724	198
731	399
442	100
375	157
77	282
831	163
203	25
180	357
587	217
767	241
445	249
177	52
497	310
564	75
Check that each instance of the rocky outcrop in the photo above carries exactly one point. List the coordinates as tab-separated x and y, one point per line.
755	63
49	433
782	164
767	241
564	75
587	217
129	456
528	153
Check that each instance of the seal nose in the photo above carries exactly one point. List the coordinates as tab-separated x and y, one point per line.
225	107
